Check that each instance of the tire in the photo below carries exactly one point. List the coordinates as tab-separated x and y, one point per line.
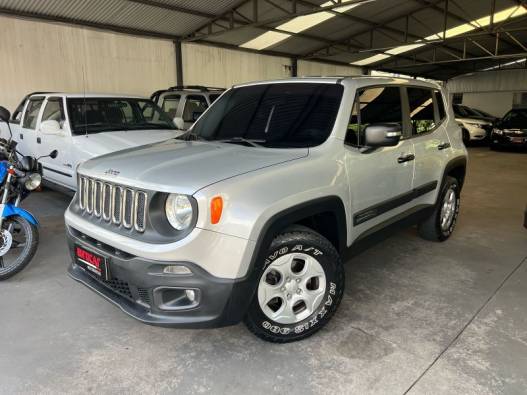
312	294
433	228
28	250
466	137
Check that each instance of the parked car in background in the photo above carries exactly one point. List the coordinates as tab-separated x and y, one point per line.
83	126
474	127
511	130
185	104
484	115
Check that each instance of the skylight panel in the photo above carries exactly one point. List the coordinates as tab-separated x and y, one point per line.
500	16
295	25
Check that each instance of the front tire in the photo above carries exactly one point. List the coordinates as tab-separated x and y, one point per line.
300	288
441	223
24	246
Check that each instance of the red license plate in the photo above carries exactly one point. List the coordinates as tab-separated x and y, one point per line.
93	262
517	140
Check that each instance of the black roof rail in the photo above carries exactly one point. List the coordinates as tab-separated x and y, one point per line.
200	88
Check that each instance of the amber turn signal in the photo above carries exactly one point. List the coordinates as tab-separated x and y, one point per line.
216	207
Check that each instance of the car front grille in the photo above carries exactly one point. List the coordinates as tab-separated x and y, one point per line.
116	204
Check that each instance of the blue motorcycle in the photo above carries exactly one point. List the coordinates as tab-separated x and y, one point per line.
19	175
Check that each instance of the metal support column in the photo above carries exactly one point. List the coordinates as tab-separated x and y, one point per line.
179	63
294	67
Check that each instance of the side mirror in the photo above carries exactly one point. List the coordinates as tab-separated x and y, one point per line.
382	135
5	115
50	127
54	154
180	124
196	115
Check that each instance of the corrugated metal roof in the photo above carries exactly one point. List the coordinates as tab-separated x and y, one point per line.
344	38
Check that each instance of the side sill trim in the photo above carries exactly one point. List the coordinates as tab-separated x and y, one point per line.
392	203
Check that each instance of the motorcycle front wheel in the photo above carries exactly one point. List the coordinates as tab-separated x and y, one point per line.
18	245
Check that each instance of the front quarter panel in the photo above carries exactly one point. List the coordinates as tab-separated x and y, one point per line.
251	200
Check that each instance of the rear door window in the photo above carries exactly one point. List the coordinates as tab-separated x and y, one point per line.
421	109
171	104
32	111
440	105
194	105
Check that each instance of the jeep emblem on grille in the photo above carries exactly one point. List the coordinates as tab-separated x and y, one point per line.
112	172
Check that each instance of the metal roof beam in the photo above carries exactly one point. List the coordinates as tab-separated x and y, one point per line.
79	22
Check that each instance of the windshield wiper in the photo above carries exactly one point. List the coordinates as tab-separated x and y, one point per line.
238	140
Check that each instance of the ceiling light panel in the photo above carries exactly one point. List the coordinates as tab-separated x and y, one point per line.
295	25
500	16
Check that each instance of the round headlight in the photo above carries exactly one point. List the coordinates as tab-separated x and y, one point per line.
179	211
33	181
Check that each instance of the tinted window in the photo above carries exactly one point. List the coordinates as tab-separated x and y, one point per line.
277	115
515	119
440	105
94	115
31	115
421	107
170	104
373	105
54	110
194	104
213	97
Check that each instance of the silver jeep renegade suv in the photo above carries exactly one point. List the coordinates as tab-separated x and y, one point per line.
245	217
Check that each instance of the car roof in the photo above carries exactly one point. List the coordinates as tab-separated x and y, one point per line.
348	80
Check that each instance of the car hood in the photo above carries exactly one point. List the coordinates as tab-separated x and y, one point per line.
184	166
97	144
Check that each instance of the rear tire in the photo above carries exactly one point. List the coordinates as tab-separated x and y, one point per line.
28	250
300	288
441	223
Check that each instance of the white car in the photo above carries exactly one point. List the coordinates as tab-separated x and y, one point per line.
474	127
84	126
185	104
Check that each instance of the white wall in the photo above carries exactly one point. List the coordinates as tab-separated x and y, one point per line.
309	68
219	67
39	56
495	103
491	91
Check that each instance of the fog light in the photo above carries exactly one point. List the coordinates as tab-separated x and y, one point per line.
191	295
176	269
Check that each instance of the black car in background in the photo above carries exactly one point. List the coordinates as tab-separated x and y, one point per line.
511	130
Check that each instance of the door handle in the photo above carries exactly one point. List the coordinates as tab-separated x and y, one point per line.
405	158
39	140
443	146
21	136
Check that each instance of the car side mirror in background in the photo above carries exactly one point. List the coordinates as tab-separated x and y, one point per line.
50	127
53	154
5	115
382	135
180	124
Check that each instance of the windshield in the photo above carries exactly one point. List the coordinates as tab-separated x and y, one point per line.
94	115
515	119
464	111
282	115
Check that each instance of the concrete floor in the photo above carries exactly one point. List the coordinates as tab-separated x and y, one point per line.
417	317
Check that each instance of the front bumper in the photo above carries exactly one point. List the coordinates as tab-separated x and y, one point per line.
476	133
505	140
139	287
